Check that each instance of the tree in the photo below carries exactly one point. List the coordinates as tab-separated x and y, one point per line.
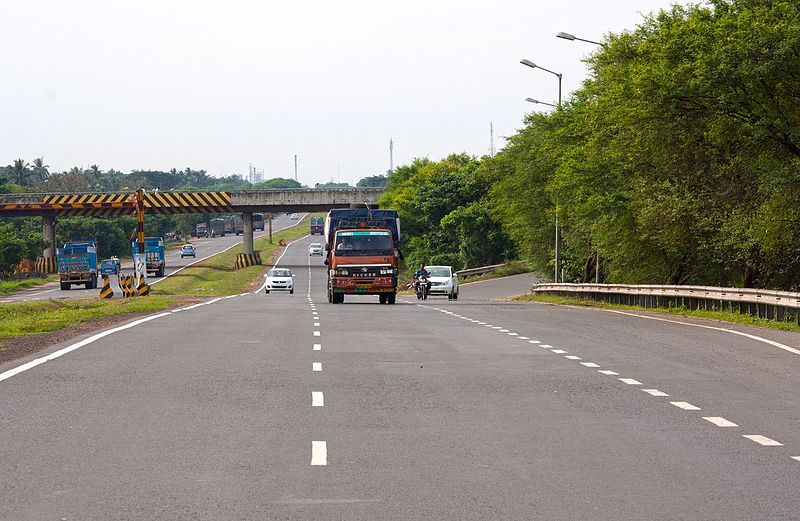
375	181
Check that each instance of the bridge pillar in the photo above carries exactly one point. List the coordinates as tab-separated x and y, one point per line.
247	218
49	232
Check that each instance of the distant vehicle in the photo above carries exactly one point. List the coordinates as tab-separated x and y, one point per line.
279	279
77	264
315	248
317	226
188	250
217	227
444	281
110	266
293	217
201	230
154	254
233	224
258	221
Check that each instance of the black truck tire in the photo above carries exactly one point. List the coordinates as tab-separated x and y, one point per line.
160	271
391	298
65	286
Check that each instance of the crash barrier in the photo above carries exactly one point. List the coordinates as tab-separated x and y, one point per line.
783	306
142	287
46	265
244	260
106	291
126	285
478	271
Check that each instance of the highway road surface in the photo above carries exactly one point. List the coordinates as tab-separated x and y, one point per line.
205	248
282	406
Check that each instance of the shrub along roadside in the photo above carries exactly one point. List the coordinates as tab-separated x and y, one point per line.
216	276
724	316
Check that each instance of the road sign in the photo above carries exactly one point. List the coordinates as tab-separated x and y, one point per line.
140	265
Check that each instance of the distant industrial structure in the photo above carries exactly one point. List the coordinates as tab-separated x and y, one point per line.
391	155
253	176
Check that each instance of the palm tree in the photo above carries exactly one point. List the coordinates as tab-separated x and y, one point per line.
19	172
40	170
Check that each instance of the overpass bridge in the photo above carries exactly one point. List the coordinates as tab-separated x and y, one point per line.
54	205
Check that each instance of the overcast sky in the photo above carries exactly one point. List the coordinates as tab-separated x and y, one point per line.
217	85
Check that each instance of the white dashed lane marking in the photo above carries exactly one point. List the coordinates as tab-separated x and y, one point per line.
316	324
319	453
589	364
763	440
316	333
630	381
316	366
797	458
654	392
609	373
686	406
571	357
546	346
317	347
534	342
317	399
719	421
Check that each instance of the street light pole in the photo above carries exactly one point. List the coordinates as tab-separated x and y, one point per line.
558	75
531	100
571	37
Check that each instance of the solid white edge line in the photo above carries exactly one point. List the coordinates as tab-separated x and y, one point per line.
319	453
725	330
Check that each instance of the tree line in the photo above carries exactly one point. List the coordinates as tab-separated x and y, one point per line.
677	162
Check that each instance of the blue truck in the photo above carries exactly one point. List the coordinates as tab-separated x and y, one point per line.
77	264
154	254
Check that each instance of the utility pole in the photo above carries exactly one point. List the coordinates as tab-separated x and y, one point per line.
558	250
338	174
391	155
491	139
295	167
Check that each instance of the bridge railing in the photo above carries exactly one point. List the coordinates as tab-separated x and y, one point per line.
768	304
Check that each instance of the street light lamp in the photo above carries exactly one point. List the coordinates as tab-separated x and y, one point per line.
531	100
572	38
532	65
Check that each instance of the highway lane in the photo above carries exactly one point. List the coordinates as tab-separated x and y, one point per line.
504	287
205	248
237	409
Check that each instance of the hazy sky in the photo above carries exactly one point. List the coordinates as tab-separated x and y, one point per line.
216	85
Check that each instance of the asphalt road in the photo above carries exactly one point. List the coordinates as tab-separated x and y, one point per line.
286	407
174	262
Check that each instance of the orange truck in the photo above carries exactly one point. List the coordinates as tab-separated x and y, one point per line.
363	250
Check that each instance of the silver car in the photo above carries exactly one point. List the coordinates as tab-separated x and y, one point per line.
279	279
315	248
444	281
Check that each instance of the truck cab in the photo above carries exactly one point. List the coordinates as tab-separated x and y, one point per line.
77	264
362	253
154	254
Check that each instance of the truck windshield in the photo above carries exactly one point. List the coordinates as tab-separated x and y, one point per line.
364	243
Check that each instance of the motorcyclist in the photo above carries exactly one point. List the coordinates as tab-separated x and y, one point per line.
421	273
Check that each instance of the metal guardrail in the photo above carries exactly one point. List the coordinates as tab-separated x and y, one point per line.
479	271
772	305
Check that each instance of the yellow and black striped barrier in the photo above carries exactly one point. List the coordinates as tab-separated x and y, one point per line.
46	265
90	204
142	287
187	202
106	291
243	260
126	285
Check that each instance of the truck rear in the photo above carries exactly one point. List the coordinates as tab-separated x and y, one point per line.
317	226
362	248
77	264
154	254
201	230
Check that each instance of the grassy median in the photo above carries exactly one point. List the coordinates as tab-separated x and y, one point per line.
10	286
217	276
724	316
33	318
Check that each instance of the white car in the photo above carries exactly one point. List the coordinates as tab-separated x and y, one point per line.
315	248
293	217
279	279
444	281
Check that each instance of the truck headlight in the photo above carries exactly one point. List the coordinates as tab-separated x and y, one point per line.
387	271
340	271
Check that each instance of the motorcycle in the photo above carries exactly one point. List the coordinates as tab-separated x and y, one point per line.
423	286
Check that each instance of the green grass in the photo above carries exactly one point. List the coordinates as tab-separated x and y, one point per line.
216	276
16	285
724	316
31	318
